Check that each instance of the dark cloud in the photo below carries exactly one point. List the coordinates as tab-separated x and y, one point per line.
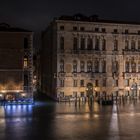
36	14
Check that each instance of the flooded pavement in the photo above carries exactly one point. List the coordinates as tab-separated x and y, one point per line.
64	121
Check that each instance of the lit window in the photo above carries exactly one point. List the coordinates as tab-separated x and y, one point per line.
25	62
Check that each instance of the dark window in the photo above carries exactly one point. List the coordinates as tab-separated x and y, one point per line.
61	43
96	83
96	29
126	31
139	44
126	66
75	28
103	44
75	43
126	45
103	30
26	80
103	66
82	43
139	32
96	44
115	31
82	28
61	27
115	45
89	44
96	66
104	82
126	82
133	66
82	83
133	45
25	43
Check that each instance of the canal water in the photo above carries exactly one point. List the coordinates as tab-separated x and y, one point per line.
67	121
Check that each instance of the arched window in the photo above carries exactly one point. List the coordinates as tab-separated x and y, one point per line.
127	66
96	65
133	45
82	66
74	66
103	66
89	66
133	66
61	65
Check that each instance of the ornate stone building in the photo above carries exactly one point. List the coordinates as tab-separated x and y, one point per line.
86	55
16	63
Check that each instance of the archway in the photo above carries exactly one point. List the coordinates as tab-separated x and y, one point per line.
89	90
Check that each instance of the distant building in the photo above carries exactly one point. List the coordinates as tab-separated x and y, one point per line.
16	62
82	55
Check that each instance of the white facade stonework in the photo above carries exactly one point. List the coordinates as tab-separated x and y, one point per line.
102	53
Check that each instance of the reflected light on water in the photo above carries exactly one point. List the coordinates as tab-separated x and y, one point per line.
114	123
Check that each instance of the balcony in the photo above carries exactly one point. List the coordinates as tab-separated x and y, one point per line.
131	52
131	74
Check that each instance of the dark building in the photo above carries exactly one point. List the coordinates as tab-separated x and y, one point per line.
16	63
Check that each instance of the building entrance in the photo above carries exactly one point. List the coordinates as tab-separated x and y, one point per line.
89	90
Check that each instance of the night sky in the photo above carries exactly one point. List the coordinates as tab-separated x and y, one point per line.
36	14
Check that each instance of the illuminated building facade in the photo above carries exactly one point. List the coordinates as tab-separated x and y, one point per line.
86	55
16	63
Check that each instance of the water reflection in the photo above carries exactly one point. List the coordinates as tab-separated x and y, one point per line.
58	121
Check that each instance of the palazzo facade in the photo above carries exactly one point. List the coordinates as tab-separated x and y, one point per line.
82	54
